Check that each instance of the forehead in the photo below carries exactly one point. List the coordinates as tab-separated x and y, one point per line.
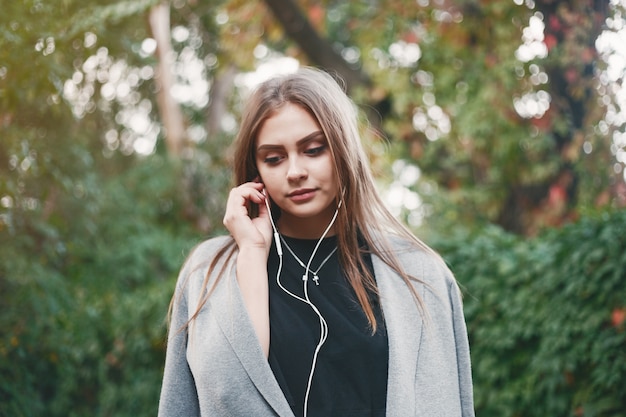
287	125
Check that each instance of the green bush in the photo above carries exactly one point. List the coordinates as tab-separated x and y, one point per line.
84	295
546	317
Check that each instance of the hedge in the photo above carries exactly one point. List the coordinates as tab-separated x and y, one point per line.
546	317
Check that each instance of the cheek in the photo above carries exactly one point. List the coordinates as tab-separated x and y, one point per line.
264	175
329	172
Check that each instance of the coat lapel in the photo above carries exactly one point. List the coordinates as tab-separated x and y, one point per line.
404	331
244	342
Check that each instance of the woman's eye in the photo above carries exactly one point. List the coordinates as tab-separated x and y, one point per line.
272	160
316	150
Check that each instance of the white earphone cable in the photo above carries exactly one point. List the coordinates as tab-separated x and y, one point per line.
306	299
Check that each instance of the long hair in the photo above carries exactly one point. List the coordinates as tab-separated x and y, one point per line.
363	215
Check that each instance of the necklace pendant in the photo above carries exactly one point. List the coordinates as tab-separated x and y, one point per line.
316	279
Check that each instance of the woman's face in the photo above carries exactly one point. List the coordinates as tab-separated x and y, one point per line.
295	164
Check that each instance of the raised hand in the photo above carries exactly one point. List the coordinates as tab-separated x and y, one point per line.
254	238
248	232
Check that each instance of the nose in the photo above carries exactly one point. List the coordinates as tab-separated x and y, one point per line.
296	170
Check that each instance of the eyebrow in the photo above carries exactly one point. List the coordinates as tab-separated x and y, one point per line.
308	138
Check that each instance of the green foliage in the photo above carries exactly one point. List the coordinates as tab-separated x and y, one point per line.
95	16
90	239
84	296
455	106
545	317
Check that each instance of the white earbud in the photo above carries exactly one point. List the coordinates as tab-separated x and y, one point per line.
279	247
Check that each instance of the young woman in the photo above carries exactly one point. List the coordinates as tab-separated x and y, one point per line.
319	303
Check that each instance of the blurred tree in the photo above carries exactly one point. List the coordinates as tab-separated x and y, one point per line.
90	226
571	70
496	110
318	49
170	111
453	81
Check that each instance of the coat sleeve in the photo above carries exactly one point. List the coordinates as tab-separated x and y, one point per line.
179	396
462	351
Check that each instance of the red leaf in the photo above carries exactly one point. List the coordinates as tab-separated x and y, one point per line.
618	316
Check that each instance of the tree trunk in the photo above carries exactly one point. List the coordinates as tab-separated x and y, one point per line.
319	50
218	106
169	109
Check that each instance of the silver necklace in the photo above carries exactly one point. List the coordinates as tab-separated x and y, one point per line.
304	277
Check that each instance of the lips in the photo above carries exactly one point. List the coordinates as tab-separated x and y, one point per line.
302	194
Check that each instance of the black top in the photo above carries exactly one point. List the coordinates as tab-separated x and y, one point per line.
350	377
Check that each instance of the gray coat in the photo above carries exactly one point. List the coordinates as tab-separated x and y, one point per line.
218	369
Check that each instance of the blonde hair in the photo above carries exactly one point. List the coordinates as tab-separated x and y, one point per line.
325	100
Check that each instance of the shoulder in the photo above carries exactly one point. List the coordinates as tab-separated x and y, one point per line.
203	256
421	261
411	254
208	249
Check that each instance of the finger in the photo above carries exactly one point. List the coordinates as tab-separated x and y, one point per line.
237	213
263	212
236	205
253	191
263	222
255	184
248	191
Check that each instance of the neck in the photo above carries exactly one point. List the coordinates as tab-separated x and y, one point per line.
302	228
